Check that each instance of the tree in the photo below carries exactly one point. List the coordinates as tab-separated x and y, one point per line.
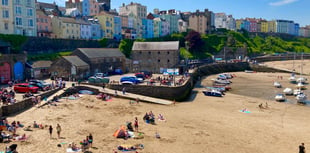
195	43
126	46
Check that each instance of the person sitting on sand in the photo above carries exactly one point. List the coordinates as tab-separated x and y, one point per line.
261	106
146	117
35	124
129	127
157	135
19	124
161	117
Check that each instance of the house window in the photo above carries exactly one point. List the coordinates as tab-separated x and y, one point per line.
168	52
18	21
158	60
28	2
6	26
18	10
30	23
168	61
29	12
150	53
5	2
5	13
18	2
140	52
158	52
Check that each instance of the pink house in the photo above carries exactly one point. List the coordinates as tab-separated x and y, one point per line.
253	24
44	24
94	7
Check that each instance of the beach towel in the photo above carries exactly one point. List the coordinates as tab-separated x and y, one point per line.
246	111
70	150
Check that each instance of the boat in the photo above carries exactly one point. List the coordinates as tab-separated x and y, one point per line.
219	81
297	92
288	91
221	89
214	93
292	79
301	86
227	87
277	84
301	98
280	97
248	71
301	78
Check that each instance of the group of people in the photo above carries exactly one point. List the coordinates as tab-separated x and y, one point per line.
11	127
103	96
7	97
149	117
58	129
87	143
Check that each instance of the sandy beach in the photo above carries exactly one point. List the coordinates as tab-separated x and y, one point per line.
201	125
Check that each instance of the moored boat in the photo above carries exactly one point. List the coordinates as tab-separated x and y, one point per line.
277	84
280	97
288	91
301	98
214	93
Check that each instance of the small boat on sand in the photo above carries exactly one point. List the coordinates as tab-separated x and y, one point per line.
214	93
301	98
288	91
277	84
280	97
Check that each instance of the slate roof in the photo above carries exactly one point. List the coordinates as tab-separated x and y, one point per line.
101	52
147	46
41	64
75	60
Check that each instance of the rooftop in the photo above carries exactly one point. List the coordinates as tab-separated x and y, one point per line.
167	45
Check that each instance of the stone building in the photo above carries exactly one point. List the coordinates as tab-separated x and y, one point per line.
201	21
102	59
69	67
40	69
153	56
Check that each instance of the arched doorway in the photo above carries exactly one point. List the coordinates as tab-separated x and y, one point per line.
18	71
5	72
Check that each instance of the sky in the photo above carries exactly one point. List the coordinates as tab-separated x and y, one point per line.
296	10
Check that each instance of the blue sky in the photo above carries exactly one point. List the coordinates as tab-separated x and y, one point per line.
296	10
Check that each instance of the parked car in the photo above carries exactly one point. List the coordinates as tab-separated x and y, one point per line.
147	74
132	79
41	86
41	81
25	87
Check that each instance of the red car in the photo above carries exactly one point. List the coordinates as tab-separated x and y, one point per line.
25	87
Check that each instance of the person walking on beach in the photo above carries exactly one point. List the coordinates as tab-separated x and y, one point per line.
51	131
124	91
136	124
302	148
58	128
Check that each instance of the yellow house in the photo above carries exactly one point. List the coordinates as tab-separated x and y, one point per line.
272	27
238	24
264	26
106	20
6	17
67	28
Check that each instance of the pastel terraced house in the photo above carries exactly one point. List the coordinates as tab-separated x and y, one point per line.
6	17
44	24
67	28
24	17
106	20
